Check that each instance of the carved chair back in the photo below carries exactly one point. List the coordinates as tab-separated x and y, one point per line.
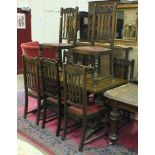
68	24
75	85
31	73
101	26
32	85
50	78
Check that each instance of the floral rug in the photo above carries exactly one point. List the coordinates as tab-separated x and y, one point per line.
46	137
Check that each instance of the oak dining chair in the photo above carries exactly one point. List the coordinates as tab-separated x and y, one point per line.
101	29
51	92
76	102
32	85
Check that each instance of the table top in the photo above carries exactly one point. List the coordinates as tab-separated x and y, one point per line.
104	84
127	93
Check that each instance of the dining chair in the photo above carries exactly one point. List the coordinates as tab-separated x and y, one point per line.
33	49
32	85
76	102
67	33
100	30
51	92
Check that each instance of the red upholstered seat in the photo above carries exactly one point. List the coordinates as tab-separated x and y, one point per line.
32	49
91	109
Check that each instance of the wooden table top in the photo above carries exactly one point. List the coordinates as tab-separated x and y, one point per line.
104	84
127	93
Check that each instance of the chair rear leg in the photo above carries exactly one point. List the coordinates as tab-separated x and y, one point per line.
82	136
65	125
44	114
59	123
26	106
38	111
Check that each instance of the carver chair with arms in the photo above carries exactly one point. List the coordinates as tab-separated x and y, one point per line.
33	49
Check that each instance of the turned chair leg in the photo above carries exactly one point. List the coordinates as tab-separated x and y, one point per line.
26	106
82	136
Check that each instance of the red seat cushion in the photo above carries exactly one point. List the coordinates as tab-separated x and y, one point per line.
32	49
91	109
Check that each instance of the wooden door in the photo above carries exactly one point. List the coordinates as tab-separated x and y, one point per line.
23	34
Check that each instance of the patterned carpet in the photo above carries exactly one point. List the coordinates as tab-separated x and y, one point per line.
47	138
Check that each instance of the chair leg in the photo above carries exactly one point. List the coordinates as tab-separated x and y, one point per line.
59	123
82	136
26	106
65	125
44	114
38	111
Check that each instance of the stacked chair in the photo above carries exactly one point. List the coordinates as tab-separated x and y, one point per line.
101	29
67	33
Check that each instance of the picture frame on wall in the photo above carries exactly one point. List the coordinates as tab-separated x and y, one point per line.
21	22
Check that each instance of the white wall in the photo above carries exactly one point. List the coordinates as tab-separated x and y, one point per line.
45	16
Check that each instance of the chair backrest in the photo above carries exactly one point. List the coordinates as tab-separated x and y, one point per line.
50	77
101	26
31	73
75	85
124	68
32	49
68	24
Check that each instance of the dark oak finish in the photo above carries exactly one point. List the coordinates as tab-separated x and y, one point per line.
77	105
100	29
124	97
32	84
67	32
51	91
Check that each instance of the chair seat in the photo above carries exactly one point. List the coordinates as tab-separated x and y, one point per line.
91	109
91	49
60	45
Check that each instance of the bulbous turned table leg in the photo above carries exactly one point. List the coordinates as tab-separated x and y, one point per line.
114	119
